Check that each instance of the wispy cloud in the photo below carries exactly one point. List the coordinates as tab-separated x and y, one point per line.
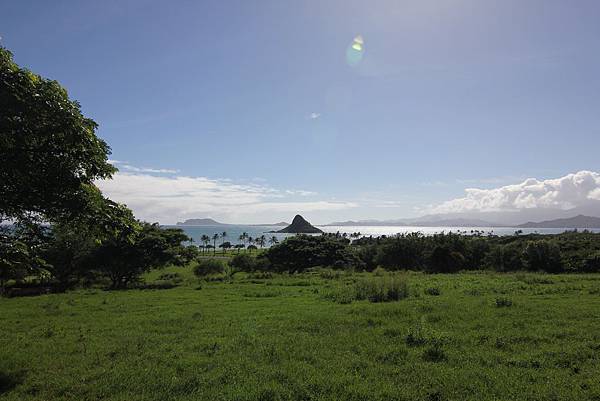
168	199
126	166
314	116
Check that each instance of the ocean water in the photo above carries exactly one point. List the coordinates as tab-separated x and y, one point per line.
234	231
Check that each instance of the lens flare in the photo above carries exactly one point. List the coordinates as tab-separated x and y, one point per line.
354	52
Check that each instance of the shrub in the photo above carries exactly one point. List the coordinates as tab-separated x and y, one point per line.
207	267
379	272
433	291
503	302
434	353
243	262
416	336
330	274
592	263
384	289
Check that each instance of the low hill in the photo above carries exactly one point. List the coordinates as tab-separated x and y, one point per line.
200	222
579	221
300	226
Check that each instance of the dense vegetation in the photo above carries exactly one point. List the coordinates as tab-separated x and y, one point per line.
442	253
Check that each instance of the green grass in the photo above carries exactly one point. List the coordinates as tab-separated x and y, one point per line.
283	338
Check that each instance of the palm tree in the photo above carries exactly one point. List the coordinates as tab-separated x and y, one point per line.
261	241
215	238
205	239
243	237
223	235
250	242
273	241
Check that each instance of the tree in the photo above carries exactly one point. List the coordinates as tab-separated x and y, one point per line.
205	240
215	237
444	260
124	257
242	238
273	240
225	245
261	241
301	252
543	255
223	236
15	258
250	247
50	153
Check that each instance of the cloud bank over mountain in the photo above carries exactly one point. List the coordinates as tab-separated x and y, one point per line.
568	192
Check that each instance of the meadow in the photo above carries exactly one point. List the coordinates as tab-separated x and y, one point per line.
265	336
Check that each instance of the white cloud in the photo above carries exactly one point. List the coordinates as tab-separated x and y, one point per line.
126	166
168	199
314	116
149	169
565	192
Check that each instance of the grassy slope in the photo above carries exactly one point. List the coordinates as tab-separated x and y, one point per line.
280	339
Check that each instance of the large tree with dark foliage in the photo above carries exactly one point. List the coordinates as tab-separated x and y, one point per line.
50	152
300	252
123	258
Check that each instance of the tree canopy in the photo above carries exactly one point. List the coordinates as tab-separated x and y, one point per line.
50	152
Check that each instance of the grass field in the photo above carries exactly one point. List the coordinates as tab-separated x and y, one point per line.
484	337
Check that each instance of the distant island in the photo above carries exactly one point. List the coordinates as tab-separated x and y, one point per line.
579	221
300	226
212	223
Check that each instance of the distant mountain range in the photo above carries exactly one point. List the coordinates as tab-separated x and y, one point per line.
585	217
211	222
457	222
579	221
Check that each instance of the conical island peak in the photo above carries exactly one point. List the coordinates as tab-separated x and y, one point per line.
300	226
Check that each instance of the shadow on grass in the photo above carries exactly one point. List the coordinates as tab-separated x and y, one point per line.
10	381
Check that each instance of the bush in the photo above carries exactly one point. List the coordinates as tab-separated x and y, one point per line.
243	262
434	353
503	302
330	274
384	289
207	267
592	263
433	291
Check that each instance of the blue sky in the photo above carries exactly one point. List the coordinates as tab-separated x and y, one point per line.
255	103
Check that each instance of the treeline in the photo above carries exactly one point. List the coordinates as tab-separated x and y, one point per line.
440	253
65	255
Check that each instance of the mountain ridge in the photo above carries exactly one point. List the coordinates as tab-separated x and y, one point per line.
579	221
